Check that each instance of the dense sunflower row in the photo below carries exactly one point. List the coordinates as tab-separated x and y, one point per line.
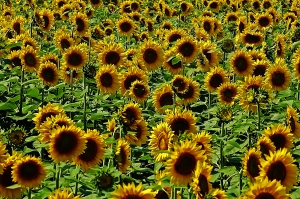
168	73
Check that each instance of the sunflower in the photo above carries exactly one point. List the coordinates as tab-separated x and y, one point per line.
174	68
228	45
151	55
280	135
105	179
125	26
252	38
203	140
187	49
218	194
111	125
183	162
209	56
96	3
163	96
181	121
28	41
132	191
180	84
242	63
130	113
278	75
266	189
139	133
201	34
16	136
81	23
65	10
227	92
3	156
139	91
6	179
279	166
59	193
122	155
292	121
63	41
201	184
28	172
112	53
260	67
296	66
128	78
265	146
74	57
48	73
186	8
94	152
241	26
280	45
17	24
192	93
53	58
266	4
47	18
29	59
275	15
107	79
15	58
167	25
215	78
46	112
264	21
214	5
65	74
174	35
207	24
232	17
251	163
66	143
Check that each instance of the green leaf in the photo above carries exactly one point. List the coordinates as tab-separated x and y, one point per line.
15	186
175	60
7	106
12	79
34	93
146	157
227	170
97	116
233	143
14	45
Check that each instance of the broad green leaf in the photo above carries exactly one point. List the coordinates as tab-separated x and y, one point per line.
228	169
7	106
176	60
14	45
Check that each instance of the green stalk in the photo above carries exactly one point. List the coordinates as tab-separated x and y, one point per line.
21	91
43	95
71	85
84	104
29	193
174	102
258	115
298	94
58	170
182	68
76	184
241	181
221	155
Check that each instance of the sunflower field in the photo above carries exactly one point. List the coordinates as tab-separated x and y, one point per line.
149	99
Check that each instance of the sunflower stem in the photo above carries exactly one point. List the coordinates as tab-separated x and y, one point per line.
298	94
258	115
84	103
221	155
241	181
29	193
182	68
57	176
174	102
76	184
71	85
21	91
43	94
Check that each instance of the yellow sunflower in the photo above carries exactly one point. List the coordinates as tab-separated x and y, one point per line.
151	55
122	155
173	68
17	24
94	152
15	58
138	133
48	73
28	172
265	146
266	189
251	163
63	193
125	26
280	135
296	67
292	121
65	74
181	121
201	185
257	55
187	49
241	63
111	125
63	40
127	78
252	38
278	75
183	162
139	91
112	53
264	21
53	58
227	93
74	57
161	140
280	45
107	79
209	56
47	18
260	67
279	166
130	113
180	84
218	194
163	96
215	78
3	156
132	191
208	24
96	3
192	92
174	35
29	58
66	143
46	112
81	23
203	140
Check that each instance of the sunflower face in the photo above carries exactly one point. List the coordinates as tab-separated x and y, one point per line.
187	49
180	84
292	120
81	23
48	74
209	56
128	78
141	133
131	191
107	79
163	96
252	38
215	78
29	59
203	140
192	92
125	26
242	63
66	143
130	114
251	163
227	93
59	193
264	20
174	68
280	135
74	58
201	184
112	54
122	155
139	91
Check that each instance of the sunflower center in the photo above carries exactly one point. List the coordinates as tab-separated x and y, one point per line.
48	74
241	64
17	28
174	66
106	79
216	80
279	49
75	59
66	12
166	99
134	6
125	26
292	124
228	95
180	125
112	57
108	31
189	93
29	170
80	24
264	195
105	180
213	5
264	21
95	2
130	114
66	142
206	26
6	178
278	78
260	70
30	60
252	166
139	90
179	84
167	12
183	7
122	156
277	171
90	152
207	55
185	164
264	149
16	61
256	5
241	27
47	115
267	5
129	80
174	37
278	140
150	55
203	184
186	49
162	195
163	143
252	39
232	18
65	43
46	21
133	197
